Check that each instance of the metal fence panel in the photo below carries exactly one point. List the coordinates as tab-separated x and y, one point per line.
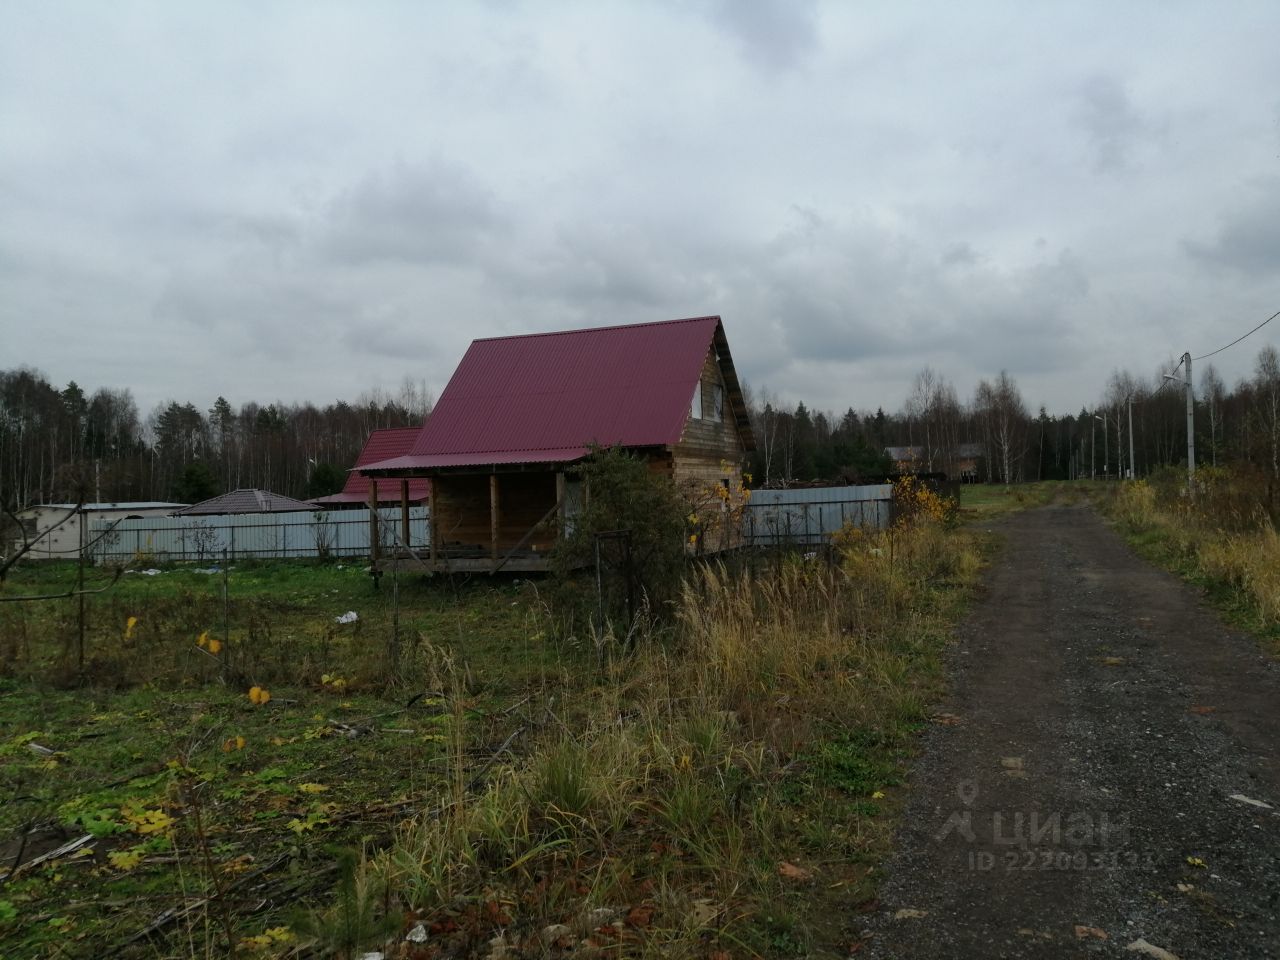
812	515
253	536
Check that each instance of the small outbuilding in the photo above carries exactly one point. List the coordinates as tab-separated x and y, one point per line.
59	531
520	414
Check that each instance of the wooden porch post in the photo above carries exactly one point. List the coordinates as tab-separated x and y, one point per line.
560	504
493	516
404	513
433	528
373	523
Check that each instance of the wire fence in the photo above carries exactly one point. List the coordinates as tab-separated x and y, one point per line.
259	536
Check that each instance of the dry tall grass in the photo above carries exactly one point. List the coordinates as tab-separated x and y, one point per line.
654	816
1224	532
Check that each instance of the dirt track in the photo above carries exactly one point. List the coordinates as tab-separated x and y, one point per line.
1083	767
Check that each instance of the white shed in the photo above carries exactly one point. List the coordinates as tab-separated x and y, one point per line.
57	528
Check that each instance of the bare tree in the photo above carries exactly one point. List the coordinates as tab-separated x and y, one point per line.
1003	414
1266	385
1211	392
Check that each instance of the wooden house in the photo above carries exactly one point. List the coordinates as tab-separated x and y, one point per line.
520	414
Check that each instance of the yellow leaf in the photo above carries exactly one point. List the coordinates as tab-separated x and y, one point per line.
878	795
1195	861
203	639
148	822
259	695
233	743
215	645
238	864
124	859
128	627
312	787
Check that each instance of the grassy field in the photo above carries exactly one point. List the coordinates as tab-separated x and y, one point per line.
163	731
256	778
981	502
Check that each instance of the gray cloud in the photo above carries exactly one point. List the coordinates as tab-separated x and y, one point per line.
776	34
1248	240
1111	123
301	203
433	213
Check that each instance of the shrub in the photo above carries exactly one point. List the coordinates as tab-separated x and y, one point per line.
622	494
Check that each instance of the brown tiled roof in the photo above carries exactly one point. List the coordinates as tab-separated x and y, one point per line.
245	501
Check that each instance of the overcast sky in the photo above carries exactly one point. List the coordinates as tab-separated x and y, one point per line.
300	201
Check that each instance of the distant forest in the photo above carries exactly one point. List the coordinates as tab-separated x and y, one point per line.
61	444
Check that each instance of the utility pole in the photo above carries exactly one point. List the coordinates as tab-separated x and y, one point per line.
1191	428
1106	446
1119	444
1191	424
1133	472
1093	448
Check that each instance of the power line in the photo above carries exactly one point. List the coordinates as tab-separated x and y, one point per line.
1238	339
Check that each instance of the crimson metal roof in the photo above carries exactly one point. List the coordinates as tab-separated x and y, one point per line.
382	445
545	397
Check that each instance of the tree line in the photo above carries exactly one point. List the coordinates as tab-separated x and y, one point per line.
992	434
63	445
995	432
60	444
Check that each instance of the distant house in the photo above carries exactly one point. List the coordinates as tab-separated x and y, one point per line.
906	459
244	501
961	463
967	456
381	445
521	413
58	530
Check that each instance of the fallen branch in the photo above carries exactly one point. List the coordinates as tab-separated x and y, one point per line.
62	851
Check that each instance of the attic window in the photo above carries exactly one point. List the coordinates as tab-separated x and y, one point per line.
717	402
695	408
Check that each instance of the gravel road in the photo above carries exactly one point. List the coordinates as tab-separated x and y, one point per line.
1095	785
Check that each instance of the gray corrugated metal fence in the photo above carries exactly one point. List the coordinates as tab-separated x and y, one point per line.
812	515
256	536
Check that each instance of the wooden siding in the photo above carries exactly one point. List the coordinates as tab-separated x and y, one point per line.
462	505
708	443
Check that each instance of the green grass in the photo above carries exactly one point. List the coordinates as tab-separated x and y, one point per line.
152	726
771	725
981	502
